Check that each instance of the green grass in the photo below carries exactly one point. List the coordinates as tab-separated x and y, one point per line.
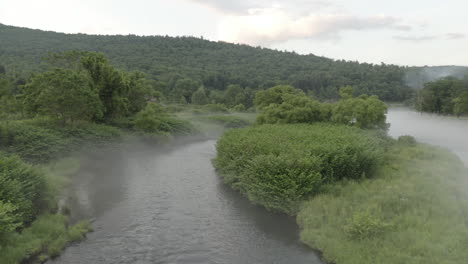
45	238
415	211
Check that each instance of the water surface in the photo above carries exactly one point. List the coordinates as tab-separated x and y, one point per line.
448	132
169	206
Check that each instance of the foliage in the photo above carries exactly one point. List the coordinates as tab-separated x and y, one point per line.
44	239
413	211
280	165
215	65
64	94
199	97
284	104
153	119
23	192
42	140
446	96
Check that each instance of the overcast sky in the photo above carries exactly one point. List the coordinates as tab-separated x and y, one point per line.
404	32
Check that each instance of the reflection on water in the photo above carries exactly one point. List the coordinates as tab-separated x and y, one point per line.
171	207
448	132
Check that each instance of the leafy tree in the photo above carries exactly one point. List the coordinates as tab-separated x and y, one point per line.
64	94
185	88
273	95
139	91
199	97
460	104
110	83
149	119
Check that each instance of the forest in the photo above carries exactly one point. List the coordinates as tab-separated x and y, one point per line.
178	66
447	96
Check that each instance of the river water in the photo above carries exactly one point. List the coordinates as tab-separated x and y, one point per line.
154	205
447	132
169	206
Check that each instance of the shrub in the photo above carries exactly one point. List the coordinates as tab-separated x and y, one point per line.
279	165
24	188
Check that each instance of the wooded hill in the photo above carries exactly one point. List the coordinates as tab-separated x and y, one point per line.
215	65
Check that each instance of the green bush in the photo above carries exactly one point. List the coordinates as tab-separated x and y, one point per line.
280	165
41	140
44	239
24	189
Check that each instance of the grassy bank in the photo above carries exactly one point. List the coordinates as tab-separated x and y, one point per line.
415	210
34	225
360	197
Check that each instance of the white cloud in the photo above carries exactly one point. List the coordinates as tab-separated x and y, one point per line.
275	24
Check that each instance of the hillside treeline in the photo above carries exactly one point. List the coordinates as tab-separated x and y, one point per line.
181	65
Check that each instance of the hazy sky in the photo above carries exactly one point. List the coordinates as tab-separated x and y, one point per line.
405	32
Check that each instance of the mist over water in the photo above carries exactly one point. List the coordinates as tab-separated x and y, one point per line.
448	132
169	206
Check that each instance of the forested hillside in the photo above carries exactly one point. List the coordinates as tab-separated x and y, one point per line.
180	65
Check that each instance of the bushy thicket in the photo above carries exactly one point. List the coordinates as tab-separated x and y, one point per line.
154	119
280	165
42	140
23	193
283	104
44	239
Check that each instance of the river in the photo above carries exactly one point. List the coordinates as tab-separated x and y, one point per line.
447	132
167	205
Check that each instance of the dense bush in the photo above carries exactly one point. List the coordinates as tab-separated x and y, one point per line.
23	193
155	120
44	239
279	165
285	105
42	140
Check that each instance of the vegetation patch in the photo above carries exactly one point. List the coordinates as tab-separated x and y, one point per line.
415	210
278	166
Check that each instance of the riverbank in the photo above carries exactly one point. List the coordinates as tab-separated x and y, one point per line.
34	179
396	213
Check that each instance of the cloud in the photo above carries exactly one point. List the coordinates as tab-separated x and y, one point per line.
273	25
453	36
416	38
244	6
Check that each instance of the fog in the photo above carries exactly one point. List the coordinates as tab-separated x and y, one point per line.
448	132
165	204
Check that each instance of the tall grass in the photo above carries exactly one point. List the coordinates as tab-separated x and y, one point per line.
414	211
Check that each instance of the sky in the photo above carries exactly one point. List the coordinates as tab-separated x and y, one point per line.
403	32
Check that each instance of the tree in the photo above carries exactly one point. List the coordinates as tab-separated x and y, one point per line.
460	104
199	97
273	95
139	91
110	83
184	88
149	119
64	94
